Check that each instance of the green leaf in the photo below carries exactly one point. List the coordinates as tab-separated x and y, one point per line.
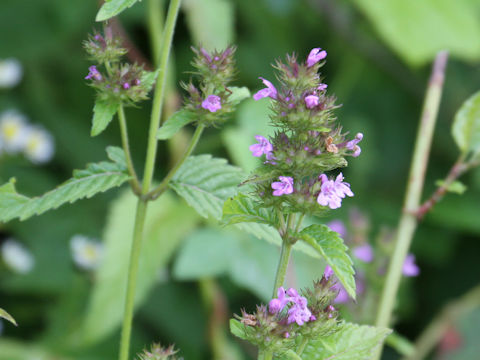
168	221
237	329
351	342
238	94
456	187
417	30
466	126
22	350
103	113
330	246
174	123
96	178
7	316
211	22
148	79
242	208
205	183
112	8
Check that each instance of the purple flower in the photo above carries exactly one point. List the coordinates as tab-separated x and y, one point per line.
328	272
332	192
126	85
212	103
263	147
364	252
311	101
322	87
409	267
338	226
277	305
352	144
93	73
342	296
315	56
299	312
283	187
269	91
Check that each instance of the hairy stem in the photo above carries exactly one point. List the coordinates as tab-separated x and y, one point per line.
134	183
287	245
160	189
408	220
437	328
147	179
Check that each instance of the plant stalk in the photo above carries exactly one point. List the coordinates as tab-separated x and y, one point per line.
134	183
160	189
287	245
147	178
408	220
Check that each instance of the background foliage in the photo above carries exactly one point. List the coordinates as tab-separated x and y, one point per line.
378	65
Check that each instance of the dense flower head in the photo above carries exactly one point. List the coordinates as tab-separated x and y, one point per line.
157	352
308	141
104	48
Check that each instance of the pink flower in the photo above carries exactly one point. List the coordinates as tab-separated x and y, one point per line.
364	253
212	103
332	192
409	267
322	87
276	305
269	91
263	147
283	187
311	101
315	56
352	144
93	73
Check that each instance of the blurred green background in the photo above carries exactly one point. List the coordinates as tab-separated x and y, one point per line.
379	55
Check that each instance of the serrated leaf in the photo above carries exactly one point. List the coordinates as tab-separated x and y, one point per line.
417	30
211	22
351	342
330	246
103	113
174	123
7	316
238	94
466	126
148	79
168	220
456	187
242	208
237	329
205	183
112	8
96	178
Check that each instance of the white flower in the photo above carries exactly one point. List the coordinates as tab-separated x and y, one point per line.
17	257
87	253
39	146
10	73
13	130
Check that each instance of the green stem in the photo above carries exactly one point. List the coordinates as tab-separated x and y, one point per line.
408	220
158	96
147	179
132	278
155	23
284	255
302	346
126	148
265	355
160	189
436	330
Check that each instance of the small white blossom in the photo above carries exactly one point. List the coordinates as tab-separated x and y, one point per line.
10	73
39	145
17	257
87	253
13	131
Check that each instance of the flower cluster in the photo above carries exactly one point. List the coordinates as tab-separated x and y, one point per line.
157	352
18	136
211	97
118	82
309	141
290	315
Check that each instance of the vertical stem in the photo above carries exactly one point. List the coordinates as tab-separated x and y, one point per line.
155	23
147	179
132	278
155	118
408	221
284	255
126	148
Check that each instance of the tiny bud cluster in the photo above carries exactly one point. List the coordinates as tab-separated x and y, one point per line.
308	143
210	97
117	81
157	352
